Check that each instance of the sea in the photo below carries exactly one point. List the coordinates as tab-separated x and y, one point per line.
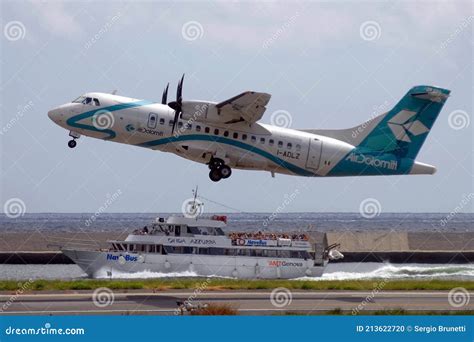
323	222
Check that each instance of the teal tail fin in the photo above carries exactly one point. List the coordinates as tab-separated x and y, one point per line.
403	130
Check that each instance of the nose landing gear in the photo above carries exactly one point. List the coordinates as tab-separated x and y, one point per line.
219	170
74	135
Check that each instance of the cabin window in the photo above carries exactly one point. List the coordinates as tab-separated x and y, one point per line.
152	118
216	251
198	128
216	131
207	130
180	124
188	250
131	248
152	249
141	248
289	146
262	140
298	147
284	254
236	135
271	142
162	121
170	123
253	139
244	136
226	133
204	251
280	144
96	103
188	126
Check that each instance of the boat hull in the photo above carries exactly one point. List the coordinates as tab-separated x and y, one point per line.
99	264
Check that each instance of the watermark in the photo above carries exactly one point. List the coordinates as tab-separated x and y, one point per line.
103	30
465	201
370	208
458	119
282	29
454	34
281	118
281	297
21	111
288	199
188	304
14	30
103	297
108	202
370	297
103	119
199	110
459	297
192	30
192	208
22	287
14	208
376	111
370	30
47	329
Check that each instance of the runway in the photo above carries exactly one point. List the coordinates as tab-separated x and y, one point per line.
246	302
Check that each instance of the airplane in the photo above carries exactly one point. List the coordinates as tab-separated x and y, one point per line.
227	135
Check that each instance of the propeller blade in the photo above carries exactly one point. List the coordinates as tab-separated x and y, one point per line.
177	105
164	97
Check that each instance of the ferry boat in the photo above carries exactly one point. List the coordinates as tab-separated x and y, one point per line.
201	246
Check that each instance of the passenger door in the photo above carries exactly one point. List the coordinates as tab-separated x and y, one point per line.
314	153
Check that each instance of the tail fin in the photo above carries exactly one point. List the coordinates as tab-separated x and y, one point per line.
403	130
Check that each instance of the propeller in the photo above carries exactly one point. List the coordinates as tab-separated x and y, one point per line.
177	105
164	97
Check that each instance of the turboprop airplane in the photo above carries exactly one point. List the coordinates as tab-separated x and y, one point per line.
227	135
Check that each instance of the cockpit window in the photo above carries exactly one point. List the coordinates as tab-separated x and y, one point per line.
87	101
96	103
79	99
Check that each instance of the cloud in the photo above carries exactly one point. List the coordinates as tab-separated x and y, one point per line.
57	19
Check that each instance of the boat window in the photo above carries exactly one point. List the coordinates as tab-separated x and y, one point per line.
298	147
271	253
216	251
198	128
230	251
152	249
270	142
193	230
236	135
141	248
162	121
152	118
284	254
131	248
177	230
188	250
262	140
226	133
96	103
204	251
120	247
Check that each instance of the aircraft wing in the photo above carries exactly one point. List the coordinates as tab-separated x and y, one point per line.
248	106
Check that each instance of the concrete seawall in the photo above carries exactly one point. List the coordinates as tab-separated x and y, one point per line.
361	246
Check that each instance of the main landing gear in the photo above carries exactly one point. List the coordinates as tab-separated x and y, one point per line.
219	170
72	143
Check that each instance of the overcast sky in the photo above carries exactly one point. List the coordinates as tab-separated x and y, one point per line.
330	65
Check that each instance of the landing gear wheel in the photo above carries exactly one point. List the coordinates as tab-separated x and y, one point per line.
72	143
225	171
215	163
215	175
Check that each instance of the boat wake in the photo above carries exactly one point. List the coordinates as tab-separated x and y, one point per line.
417	271
102	274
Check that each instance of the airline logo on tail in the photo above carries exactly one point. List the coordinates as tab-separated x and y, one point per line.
402	123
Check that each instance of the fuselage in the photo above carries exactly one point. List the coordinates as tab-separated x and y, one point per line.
255	147
385	145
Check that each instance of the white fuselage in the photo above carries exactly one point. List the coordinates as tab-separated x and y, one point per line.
239	145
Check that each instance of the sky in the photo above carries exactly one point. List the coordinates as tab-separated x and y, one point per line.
328	64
